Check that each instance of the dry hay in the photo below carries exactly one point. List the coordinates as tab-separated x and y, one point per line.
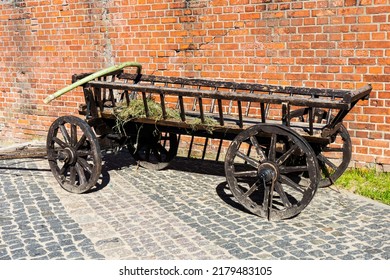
136	109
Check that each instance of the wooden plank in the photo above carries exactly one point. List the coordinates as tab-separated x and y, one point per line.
240	123
145	104
201	110
262	98
262	112
238	86
162	101
286	113
220	111
362	93
181	107
23	150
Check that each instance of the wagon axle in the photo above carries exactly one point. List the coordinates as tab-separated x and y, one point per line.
68	155
268	172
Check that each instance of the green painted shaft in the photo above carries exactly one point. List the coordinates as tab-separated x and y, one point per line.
91	77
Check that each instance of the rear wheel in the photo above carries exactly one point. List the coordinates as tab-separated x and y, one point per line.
154	150
74	154
334	158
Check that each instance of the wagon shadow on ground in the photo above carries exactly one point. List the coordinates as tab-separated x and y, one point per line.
123	159
10	166
112	161
208	167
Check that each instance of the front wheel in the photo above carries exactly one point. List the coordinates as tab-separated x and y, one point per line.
272	171
74	154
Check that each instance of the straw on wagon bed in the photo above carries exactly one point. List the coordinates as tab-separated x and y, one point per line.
136	109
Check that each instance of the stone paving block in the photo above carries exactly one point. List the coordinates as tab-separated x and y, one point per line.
183	212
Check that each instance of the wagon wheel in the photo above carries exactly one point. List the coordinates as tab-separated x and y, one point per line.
155	150
74	154
341	149
272	171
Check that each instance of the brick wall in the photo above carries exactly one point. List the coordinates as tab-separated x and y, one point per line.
326	44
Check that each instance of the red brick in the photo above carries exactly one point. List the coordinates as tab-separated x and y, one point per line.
378	10
377	44
336	44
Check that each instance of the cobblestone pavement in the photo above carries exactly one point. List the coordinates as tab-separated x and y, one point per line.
184	212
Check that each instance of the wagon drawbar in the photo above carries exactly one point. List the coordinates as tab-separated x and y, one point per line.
283	139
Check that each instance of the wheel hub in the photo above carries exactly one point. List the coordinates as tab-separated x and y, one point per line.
68	155
268	171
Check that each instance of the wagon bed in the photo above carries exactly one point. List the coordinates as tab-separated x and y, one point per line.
308	98
282	138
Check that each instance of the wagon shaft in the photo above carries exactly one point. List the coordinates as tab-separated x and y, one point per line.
22	151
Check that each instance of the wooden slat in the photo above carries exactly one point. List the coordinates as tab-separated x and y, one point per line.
201	110
220	112
311	120
238	86
145	104
286	113
181	108
240	123
205	147
265	98
219	149
262	112
164	110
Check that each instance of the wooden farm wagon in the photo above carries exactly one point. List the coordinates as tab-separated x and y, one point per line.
283	139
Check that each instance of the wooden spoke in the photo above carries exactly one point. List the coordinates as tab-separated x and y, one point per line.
81	173
324	168
266	202
64	169
60	142
248	159
327	161
81	142
73	134
72	177
272	148
251	189
270	201
286	180
84	153
85	165
279	189
251	173
258	148
65	134
286	155
291	169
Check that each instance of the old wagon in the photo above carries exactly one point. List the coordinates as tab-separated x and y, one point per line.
285	142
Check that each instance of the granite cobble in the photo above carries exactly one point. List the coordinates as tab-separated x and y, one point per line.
183	212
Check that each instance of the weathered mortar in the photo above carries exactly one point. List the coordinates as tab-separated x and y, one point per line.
324	43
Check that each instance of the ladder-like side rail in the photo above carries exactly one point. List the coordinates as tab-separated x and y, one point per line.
235	85
317	102
310	99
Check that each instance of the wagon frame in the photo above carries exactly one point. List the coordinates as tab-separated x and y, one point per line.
282	138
